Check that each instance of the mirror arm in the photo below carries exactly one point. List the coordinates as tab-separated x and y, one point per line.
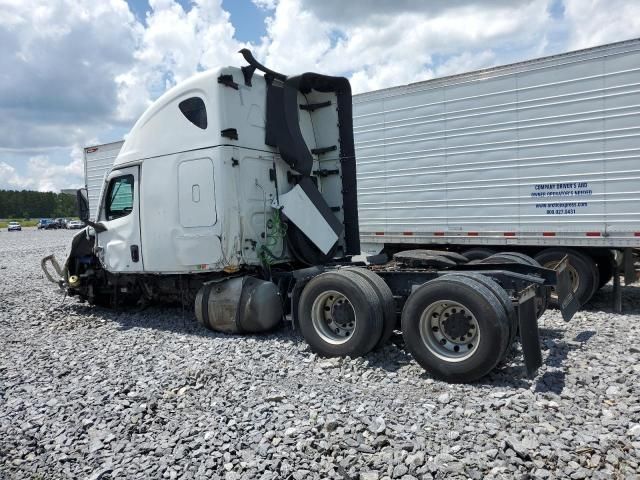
99	227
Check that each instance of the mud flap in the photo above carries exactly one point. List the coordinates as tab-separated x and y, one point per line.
529	336
567	302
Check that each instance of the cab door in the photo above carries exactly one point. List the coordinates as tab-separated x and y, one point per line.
119	247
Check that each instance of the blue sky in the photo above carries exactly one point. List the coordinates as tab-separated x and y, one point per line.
80	72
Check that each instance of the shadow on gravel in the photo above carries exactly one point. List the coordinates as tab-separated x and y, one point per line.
169	319
553	381
602	300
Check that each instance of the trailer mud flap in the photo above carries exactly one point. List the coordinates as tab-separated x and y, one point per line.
567	301
529	336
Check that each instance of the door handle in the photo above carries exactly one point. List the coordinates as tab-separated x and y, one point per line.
135	253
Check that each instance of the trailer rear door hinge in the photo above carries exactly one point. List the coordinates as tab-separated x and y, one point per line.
323	172
227	81
320	151
231	133
314	106
234	162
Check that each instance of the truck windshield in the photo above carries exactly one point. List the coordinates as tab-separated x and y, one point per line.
119	197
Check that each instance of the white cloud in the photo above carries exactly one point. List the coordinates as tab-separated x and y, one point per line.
265	4
388	46
174	45
595	22
44	175
81	69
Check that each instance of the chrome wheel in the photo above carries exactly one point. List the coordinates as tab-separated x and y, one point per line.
333	317
449	330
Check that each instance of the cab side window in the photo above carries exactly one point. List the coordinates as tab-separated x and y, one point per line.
193	108
119	197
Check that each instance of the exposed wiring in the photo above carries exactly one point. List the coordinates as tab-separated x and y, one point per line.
277	235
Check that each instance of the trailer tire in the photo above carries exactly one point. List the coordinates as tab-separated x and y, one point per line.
501	295
432	340
605	270
385	296
583	272
478	253
420	259
542	293
327	323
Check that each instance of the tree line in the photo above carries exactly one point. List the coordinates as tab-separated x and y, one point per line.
31	204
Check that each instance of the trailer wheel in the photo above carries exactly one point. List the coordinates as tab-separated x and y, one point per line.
339	314
478	253
455	328
582	270
542	293
385	296
605	270
501	295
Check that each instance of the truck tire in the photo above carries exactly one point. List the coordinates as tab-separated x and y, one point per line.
605	270
583	272
501	295
478	253
418	253
467	348
420	259
542	293
385	296
339	314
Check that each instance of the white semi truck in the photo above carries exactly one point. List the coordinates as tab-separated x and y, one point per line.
236	192
541	157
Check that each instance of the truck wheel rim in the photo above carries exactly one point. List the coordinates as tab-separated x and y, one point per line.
333	317
449	330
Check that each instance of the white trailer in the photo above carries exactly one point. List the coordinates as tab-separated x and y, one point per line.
98	160
541	157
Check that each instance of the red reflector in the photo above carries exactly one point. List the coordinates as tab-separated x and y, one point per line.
379	233
407	233
472	234
438	234
548	234
509	234
592	234
91	149
636	234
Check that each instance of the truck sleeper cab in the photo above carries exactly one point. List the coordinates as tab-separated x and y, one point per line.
236	192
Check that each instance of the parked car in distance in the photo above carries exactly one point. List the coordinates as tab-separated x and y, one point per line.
48	224
74	224
14	227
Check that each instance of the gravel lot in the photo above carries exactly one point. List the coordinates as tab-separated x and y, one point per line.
92	393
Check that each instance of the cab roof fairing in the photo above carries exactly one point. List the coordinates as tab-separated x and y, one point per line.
163	129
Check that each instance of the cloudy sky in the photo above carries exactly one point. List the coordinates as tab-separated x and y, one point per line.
79	72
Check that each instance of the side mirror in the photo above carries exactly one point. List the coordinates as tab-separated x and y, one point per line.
82	201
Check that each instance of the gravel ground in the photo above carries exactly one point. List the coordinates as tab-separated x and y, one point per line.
92	393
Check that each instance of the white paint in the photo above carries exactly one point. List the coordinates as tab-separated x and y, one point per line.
114	244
